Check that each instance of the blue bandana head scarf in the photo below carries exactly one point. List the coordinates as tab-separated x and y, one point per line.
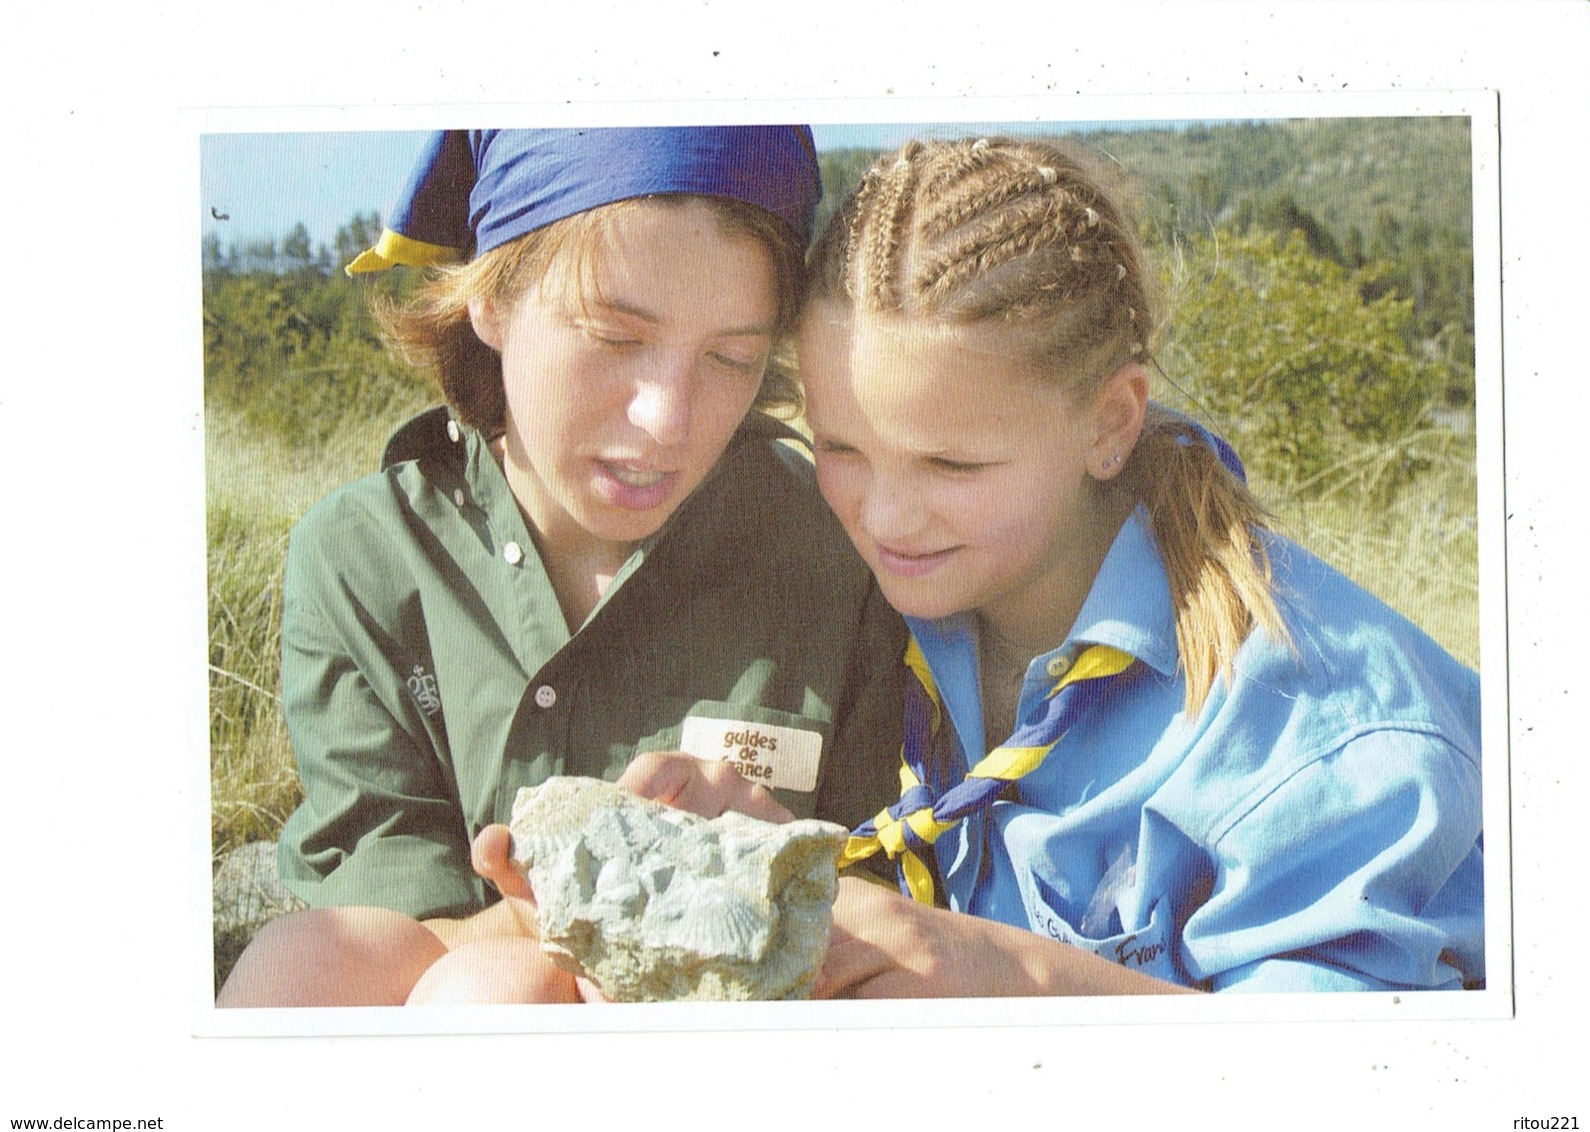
474	190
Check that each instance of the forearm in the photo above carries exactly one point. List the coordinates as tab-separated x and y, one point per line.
886	946
982	958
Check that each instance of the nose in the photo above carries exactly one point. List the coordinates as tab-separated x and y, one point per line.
891	509
662	400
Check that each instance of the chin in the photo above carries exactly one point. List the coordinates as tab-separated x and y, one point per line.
631	526
912	601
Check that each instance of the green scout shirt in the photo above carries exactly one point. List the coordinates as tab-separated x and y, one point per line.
428	673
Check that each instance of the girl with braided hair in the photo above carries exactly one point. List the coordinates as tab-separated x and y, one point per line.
1213	763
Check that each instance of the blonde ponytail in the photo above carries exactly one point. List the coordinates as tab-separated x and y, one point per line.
1208	528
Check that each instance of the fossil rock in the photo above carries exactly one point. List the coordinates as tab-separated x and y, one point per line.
654	904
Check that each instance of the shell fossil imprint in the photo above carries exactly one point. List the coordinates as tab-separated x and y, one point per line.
654	904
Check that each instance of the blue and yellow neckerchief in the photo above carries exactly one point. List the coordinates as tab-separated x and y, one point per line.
907	830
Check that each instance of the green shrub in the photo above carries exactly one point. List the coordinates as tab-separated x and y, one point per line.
1314	384
299	355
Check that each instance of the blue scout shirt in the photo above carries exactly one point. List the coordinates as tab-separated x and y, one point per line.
1315	827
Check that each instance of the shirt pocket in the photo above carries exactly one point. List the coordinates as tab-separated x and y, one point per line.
1150	949
780	750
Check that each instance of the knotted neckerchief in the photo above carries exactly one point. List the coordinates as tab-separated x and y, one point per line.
907	830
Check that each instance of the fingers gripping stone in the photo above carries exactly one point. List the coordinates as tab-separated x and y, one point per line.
655	904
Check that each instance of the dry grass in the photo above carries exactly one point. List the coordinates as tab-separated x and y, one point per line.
255	489
1417	552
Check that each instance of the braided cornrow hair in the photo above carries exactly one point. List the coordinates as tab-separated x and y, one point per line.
1031	234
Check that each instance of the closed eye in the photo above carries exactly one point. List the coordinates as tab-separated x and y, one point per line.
956	466
742	365
606	335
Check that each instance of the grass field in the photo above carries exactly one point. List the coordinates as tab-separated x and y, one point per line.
1419	553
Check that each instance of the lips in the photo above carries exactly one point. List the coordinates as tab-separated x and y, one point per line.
635	477
912	564
633	484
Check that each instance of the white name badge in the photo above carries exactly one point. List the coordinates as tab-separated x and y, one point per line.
781	758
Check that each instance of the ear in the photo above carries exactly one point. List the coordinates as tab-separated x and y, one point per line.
488	327
1118	409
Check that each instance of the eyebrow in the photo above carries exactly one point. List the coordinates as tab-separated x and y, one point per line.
652	319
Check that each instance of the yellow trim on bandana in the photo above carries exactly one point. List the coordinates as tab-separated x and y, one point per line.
394	249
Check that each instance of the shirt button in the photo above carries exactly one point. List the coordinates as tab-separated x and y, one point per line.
513	554
546	696
453	432
1059	666
458	496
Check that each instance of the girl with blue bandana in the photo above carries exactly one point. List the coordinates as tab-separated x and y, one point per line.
1151	746
598	559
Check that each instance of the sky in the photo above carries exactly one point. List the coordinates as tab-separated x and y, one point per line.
265	183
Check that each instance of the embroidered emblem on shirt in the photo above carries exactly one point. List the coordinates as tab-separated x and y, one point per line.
423	685
780	758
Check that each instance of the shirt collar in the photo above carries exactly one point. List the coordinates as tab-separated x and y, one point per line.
1128	607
